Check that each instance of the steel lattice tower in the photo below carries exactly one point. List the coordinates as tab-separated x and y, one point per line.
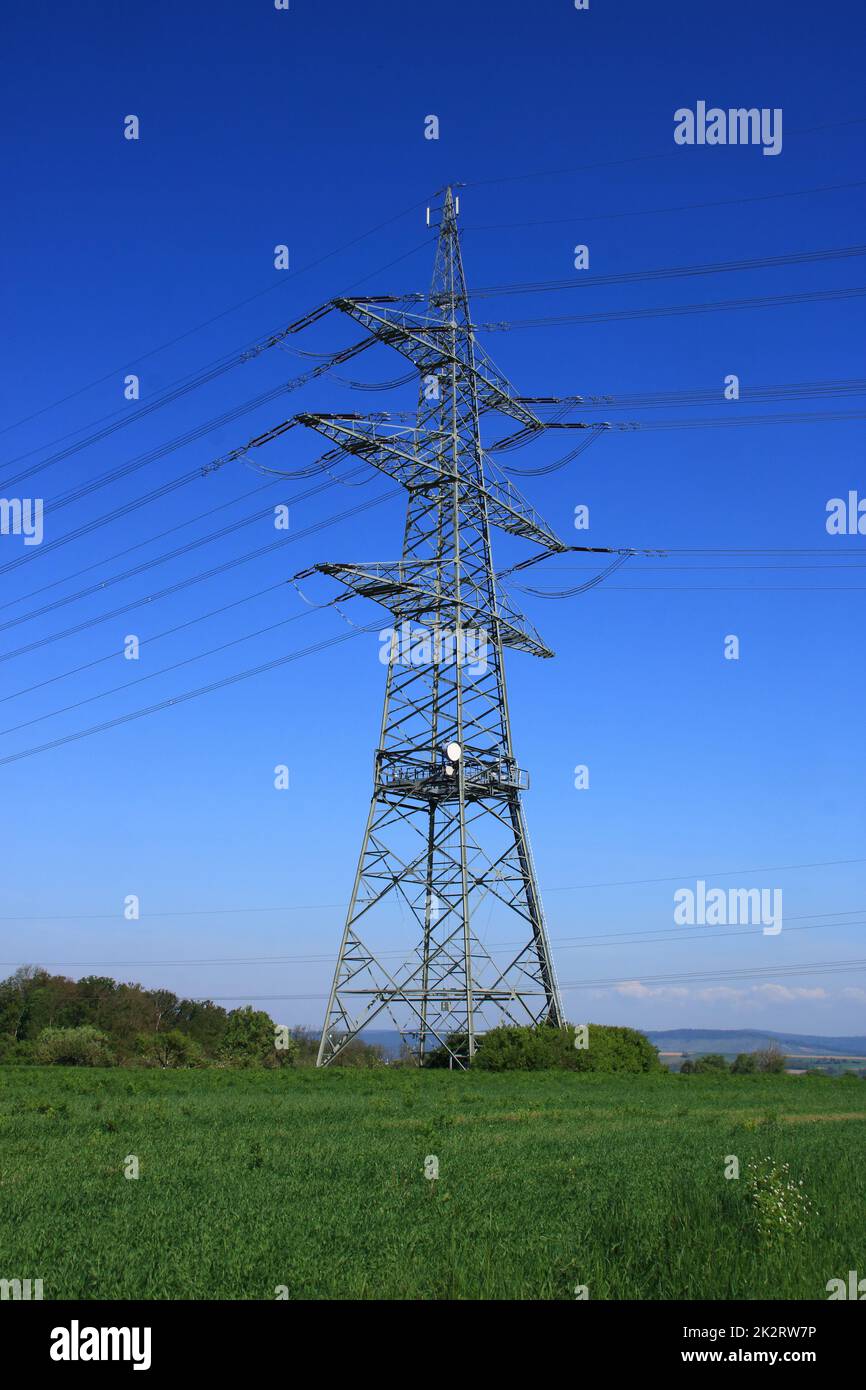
446	840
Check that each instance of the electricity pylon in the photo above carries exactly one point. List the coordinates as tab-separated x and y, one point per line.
445	846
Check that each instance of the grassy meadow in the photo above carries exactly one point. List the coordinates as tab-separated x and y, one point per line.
314	1182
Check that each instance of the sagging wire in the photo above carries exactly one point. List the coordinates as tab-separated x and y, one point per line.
308	601
303	352
332	603
311	471
370	627
349	381
374	385
344	482
518	440
596	431
318	467
617	562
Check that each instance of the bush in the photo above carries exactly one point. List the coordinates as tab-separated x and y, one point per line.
357	1053
770	1059
171	1049
249	1037
12	1051
548	1048
441	1056
744	1064
710	1062
73	1047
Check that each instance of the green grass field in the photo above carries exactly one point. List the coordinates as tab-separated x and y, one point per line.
250	1180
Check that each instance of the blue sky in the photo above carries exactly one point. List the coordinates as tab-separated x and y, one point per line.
306	128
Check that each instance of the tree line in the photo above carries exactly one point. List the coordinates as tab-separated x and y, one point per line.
99	1021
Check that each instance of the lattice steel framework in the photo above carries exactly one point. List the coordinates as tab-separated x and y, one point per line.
446	845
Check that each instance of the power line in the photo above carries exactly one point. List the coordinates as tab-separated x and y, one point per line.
707	395
139	545
591	583
690	977
636	159
172	485
579	217
86	528
156	637
227	363
191	436
639	158
736	420
746	973
153	455
631	277
851	551
164	670
595	431
650	935
186	696
725	569
736	588
174	392
588	439
156	560
302	270
705	874
194	579
188	546
671	310
627	554
563	943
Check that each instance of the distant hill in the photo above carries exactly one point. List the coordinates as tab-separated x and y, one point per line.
729	1041
733	1040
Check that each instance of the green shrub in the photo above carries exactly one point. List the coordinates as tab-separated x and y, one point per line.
73	1047
770	1059
171	1049
360	1054
548	1048
249	1037
13	1051
710	1062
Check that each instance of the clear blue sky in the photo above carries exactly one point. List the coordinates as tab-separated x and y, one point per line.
306	127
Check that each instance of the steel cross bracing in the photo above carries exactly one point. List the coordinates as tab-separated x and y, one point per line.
445	856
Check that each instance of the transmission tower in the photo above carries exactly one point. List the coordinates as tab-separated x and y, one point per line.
446	855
